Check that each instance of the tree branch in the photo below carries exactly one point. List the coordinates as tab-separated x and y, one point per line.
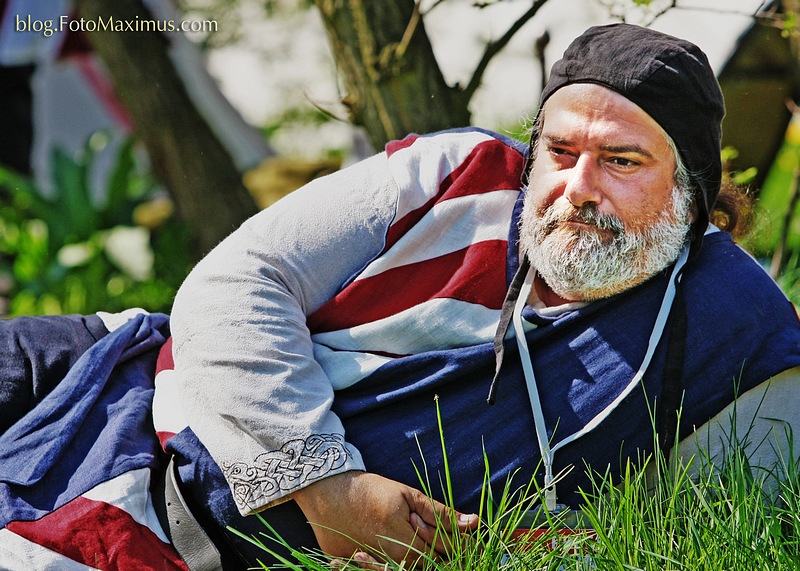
493	48
401	48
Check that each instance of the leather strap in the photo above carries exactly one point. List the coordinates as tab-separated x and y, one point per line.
667	417
186	534
506	314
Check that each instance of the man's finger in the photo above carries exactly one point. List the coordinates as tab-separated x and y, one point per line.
437	535
367	561
436	513
361	560
424	531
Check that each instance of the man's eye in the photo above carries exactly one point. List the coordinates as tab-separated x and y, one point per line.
623	162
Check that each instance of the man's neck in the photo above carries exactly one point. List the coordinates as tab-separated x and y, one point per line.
546	295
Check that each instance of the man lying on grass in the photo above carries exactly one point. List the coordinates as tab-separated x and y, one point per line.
538	309
310	345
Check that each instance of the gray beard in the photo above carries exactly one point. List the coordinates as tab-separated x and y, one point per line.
586	265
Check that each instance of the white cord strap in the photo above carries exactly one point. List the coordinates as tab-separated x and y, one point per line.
547	451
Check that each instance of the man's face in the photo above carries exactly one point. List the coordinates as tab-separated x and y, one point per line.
602	212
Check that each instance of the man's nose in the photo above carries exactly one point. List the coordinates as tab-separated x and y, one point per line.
583	184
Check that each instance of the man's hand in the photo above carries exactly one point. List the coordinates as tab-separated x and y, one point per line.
356	510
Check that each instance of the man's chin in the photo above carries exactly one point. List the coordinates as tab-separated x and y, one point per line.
588	294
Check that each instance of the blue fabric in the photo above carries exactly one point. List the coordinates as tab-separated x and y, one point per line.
36	353
94	425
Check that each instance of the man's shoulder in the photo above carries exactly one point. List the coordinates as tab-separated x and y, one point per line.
740	326
465	137
727	281
721	258
474	163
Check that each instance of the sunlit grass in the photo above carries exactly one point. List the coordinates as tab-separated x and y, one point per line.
662	514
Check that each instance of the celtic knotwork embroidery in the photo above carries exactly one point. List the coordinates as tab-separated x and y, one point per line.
292	466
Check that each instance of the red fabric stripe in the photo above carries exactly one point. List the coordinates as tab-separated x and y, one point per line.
476	274
469	178
101	536
165	361
163	436
393	146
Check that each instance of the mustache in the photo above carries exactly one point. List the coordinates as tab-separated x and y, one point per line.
561	213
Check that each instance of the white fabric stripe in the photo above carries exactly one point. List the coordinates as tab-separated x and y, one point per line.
420	168
114	321
346	368
432	325
19	554
168	413
459	223
130	492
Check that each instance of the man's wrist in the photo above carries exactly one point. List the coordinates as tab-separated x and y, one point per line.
308	497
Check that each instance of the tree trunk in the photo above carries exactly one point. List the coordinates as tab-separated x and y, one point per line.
394	85
184	153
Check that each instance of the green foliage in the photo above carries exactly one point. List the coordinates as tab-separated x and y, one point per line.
776	230
739	178
789	25
775	197
297	126
63	253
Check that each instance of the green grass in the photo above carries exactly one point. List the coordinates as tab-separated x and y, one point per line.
662	514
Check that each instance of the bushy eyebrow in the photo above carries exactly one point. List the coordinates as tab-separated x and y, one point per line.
553	140
621	149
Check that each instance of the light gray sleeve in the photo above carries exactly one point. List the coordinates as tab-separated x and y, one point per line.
763	423
248	381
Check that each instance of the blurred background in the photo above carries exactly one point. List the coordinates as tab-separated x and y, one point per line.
136	134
